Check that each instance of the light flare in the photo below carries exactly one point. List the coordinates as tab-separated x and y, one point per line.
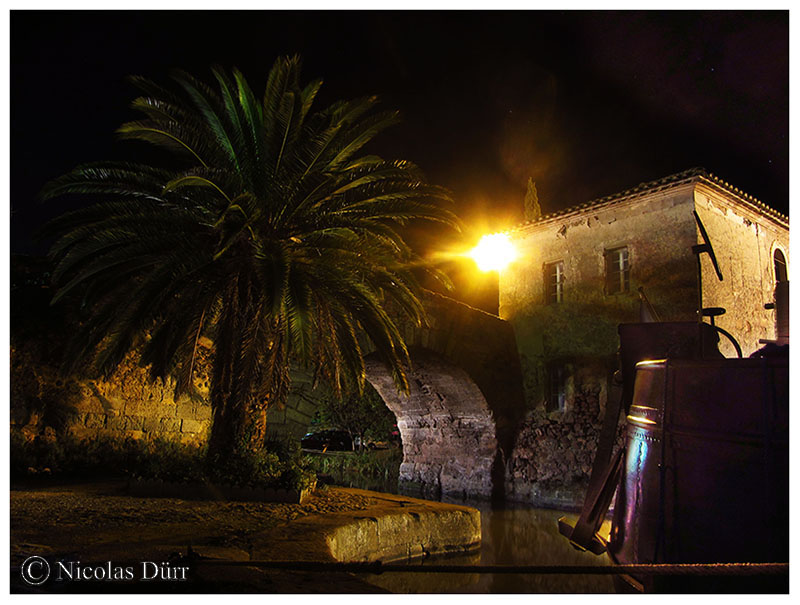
494	252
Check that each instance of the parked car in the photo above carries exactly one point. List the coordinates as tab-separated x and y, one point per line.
334	440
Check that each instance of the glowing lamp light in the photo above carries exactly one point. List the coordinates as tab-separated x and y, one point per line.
494	252
641	419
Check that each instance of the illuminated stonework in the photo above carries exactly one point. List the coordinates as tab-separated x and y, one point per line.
605	252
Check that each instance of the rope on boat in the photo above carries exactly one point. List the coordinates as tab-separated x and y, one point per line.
639	569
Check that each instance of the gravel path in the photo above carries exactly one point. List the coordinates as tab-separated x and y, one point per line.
98	522
105	506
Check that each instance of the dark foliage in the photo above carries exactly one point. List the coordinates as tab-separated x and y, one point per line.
363	415
277	465
270	234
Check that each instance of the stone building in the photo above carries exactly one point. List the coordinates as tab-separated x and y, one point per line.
578	275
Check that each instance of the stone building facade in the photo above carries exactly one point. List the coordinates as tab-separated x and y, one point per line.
578	276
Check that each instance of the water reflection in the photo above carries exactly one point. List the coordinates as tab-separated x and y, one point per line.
512	535
387	484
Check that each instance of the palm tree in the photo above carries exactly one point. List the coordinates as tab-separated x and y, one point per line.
273	237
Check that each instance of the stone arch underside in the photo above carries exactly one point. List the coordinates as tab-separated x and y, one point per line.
460	420
446	425
466	402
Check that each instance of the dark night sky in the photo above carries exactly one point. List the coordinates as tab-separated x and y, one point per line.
586	103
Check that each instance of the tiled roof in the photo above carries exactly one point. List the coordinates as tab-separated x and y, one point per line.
666	182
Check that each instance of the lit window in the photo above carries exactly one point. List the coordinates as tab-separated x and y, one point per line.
618	271
780	267
554	282
556	388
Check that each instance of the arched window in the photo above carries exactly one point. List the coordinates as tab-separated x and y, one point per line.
780	267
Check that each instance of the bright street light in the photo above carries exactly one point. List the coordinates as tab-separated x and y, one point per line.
494	252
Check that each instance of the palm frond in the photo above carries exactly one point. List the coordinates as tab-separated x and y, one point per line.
273	234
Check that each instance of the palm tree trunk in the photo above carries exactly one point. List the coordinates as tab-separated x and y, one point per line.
236	430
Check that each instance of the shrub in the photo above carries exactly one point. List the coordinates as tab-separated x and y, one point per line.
277	465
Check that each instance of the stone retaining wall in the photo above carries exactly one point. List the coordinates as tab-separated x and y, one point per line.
553	455
293	419
127	404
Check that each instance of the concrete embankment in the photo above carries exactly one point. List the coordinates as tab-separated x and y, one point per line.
392	528
400	528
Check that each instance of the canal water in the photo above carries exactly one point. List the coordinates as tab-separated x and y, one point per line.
512	534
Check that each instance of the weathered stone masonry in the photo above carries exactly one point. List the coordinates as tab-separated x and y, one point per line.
655	224
128	404
457	421
463	408
464	405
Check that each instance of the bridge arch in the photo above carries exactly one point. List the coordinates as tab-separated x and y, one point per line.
447	427
460	418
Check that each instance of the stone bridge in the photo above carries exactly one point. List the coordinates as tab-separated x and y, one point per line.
459	420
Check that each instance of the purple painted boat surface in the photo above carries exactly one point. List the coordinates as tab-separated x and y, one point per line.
705	475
